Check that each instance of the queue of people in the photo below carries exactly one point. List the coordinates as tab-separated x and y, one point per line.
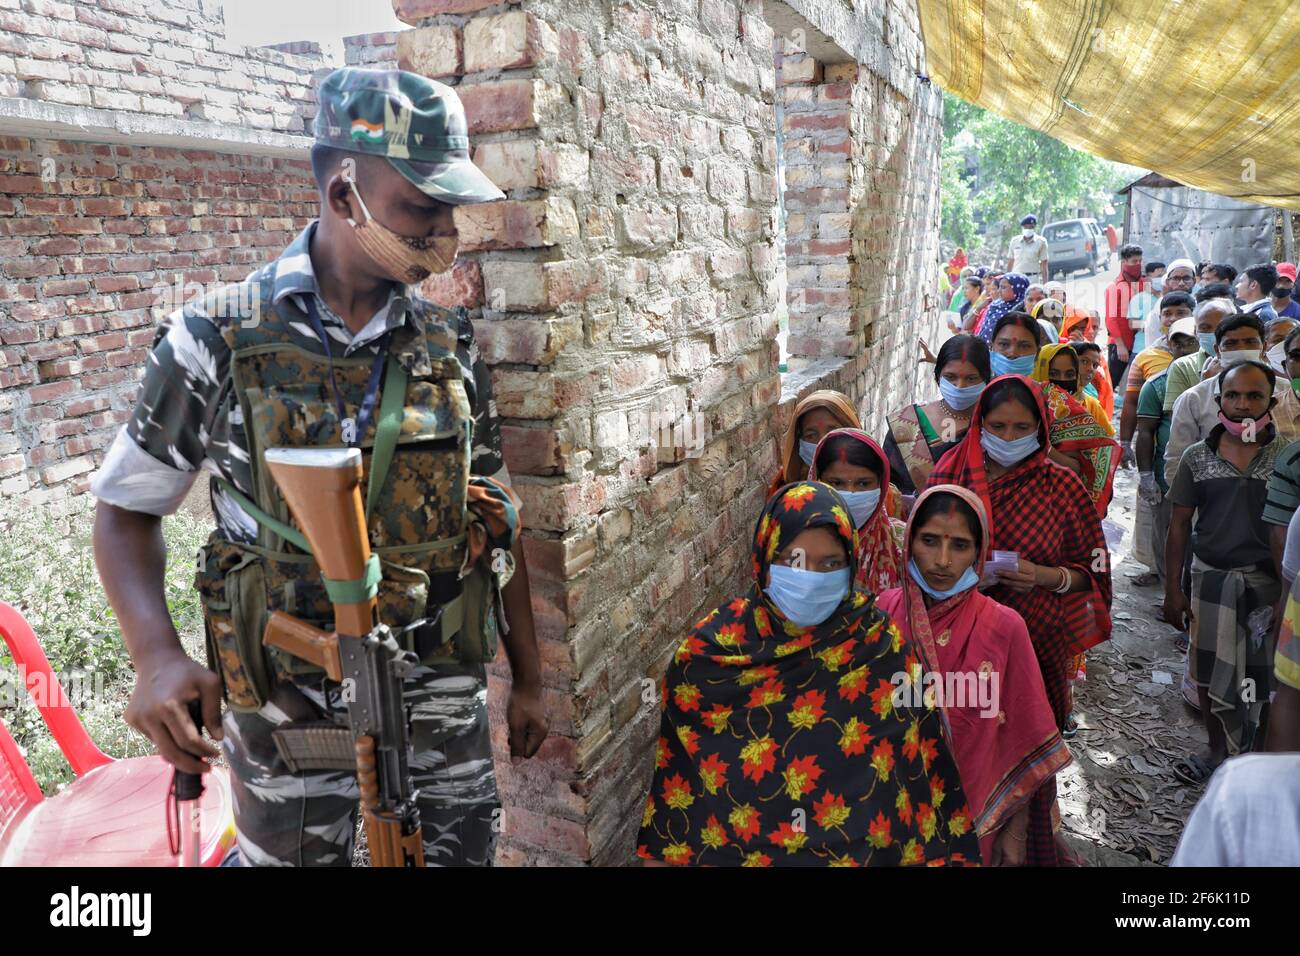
895	684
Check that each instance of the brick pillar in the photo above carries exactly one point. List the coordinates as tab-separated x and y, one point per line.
623	293
893	269
817	157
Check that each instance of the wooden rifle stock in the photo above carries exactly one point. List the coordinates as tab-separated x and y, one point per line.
322	487
304	641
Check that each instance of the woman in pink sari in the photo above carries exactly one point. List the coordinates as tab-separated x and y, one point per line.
977	656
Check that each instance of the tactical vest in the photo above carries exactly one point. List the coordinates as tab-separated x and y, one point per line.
418	523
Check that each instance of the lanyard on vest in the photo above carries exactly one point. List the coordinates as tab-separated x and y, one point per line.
353	431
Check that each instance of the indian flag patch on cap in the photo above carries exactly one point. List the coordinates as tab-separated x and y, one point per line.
367	132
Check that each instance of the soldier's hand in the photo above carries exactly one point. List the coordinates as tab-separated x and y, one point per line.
164	686
526	720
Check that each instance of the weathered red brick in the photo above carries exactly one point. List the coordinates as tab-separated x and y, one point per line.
53	391
461	285
530	451
499	105
413	11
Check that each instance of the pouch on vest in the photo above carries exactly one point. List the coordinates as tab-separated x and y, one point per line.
419	516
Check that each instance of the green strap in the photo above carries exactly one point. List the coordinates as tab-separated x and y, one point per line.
386	431
261	517
340	592
357	590
453	618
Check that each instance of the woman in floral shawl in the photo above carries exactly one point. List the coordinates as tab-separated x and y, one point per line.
1012	288
1007	746
1038	509
781	743
1059	365
855	466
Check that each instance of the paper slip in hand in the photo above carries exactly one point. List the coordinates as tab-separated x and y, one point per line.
1001	561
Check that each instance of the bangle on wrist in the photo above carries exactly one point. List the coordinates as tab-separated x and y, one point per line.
1066	581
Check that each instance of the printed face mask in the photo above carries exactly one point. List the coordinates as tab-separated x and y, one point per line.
402	258
861	504
807	597
1008	453
960	398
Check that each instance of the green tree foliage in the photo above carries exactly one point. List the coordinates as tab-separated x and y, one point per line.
957	209
1018	170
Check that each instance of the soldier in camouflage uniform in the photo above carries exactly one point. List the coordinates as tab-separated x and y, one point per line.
391	159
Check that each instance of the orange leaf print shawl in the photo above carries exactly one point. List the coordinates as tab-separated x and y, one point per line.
783	745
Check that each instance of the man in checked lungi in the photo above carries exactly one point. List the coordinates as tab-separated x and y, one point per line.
1235	580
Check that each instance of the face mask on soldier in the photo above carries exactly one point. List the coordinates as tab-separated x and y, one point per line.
403	258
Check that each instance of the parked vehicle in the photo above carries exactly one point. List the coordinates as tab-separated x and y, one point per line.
1074	244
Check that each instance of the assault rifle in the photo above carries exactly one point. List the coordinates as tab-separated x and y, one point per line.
322	487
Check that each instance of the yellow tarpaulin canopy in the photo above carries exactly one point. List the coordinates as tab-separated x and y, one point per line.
1204	93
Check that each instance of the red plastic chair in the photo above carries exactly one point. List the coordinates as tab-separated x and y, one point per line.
115	812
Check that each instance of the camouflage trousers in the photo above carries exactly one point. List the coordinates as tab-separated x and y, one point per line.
308	818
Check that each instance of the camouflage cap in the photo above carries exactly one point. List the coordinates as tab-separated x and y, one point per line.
416	123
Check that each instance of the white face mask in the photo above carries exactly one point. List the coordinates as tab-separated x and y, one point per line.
1277	357
1158	284
1026	232
1229	359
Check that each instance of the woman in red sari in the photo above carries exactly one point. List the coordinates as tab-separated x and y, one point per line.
855	466
1038	509
1007	746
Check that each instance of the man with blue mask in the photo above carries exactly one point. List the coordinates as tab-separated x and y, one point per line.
1185	372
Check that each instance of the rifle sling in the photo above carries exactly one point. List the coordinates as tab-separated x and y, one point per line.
340	592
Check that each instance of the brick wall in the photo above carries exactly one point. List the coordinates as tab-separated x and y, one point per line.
818	158
375	50
627	279
168	58
862	142
88	264
99	240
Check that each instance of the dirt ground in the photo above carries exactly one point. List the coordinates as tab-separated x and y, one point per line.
1121	804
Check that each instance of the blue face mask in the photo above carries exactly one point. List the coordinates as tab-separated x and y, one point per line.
1007	453
967	581
958	398
807	597
806	451
1207	342
861	504
1012	366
